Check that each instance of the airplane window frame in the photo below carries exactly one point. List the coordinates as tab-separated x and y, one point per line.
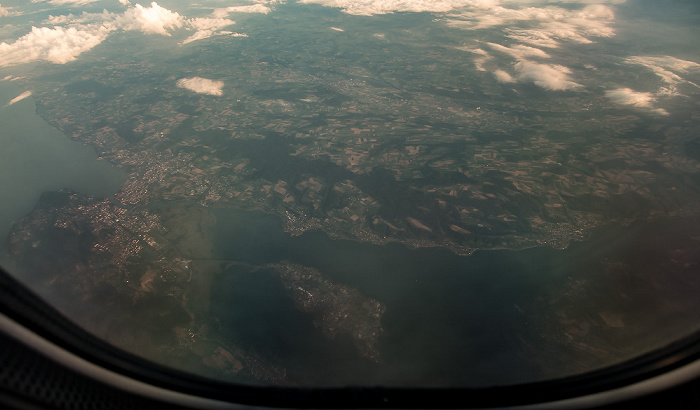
28	319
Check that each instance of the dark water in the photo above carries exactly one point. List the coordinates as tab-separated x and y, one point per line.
450	320
36	157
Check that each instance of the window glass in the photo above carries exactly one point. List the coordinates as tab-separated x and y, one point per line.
446	193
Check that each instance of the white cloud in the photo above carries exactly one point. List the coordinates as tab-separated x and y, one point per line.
550	24
628	96
4	11
527	26
519	51
150	20
496	9
84	21
58	20
204	23
479	61
668	62
207	27
539	38
73	35
71	2
668	68
370	7
478	51
548	76
199	35
588	1
19	98
125	2
57	45
252	8
503	77
201	85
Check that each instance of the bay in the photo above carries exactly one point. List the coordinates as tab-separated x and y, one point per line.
36	157
496	317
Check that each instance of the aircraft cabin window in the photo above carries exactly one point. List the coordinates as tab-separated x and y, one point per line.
367	193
